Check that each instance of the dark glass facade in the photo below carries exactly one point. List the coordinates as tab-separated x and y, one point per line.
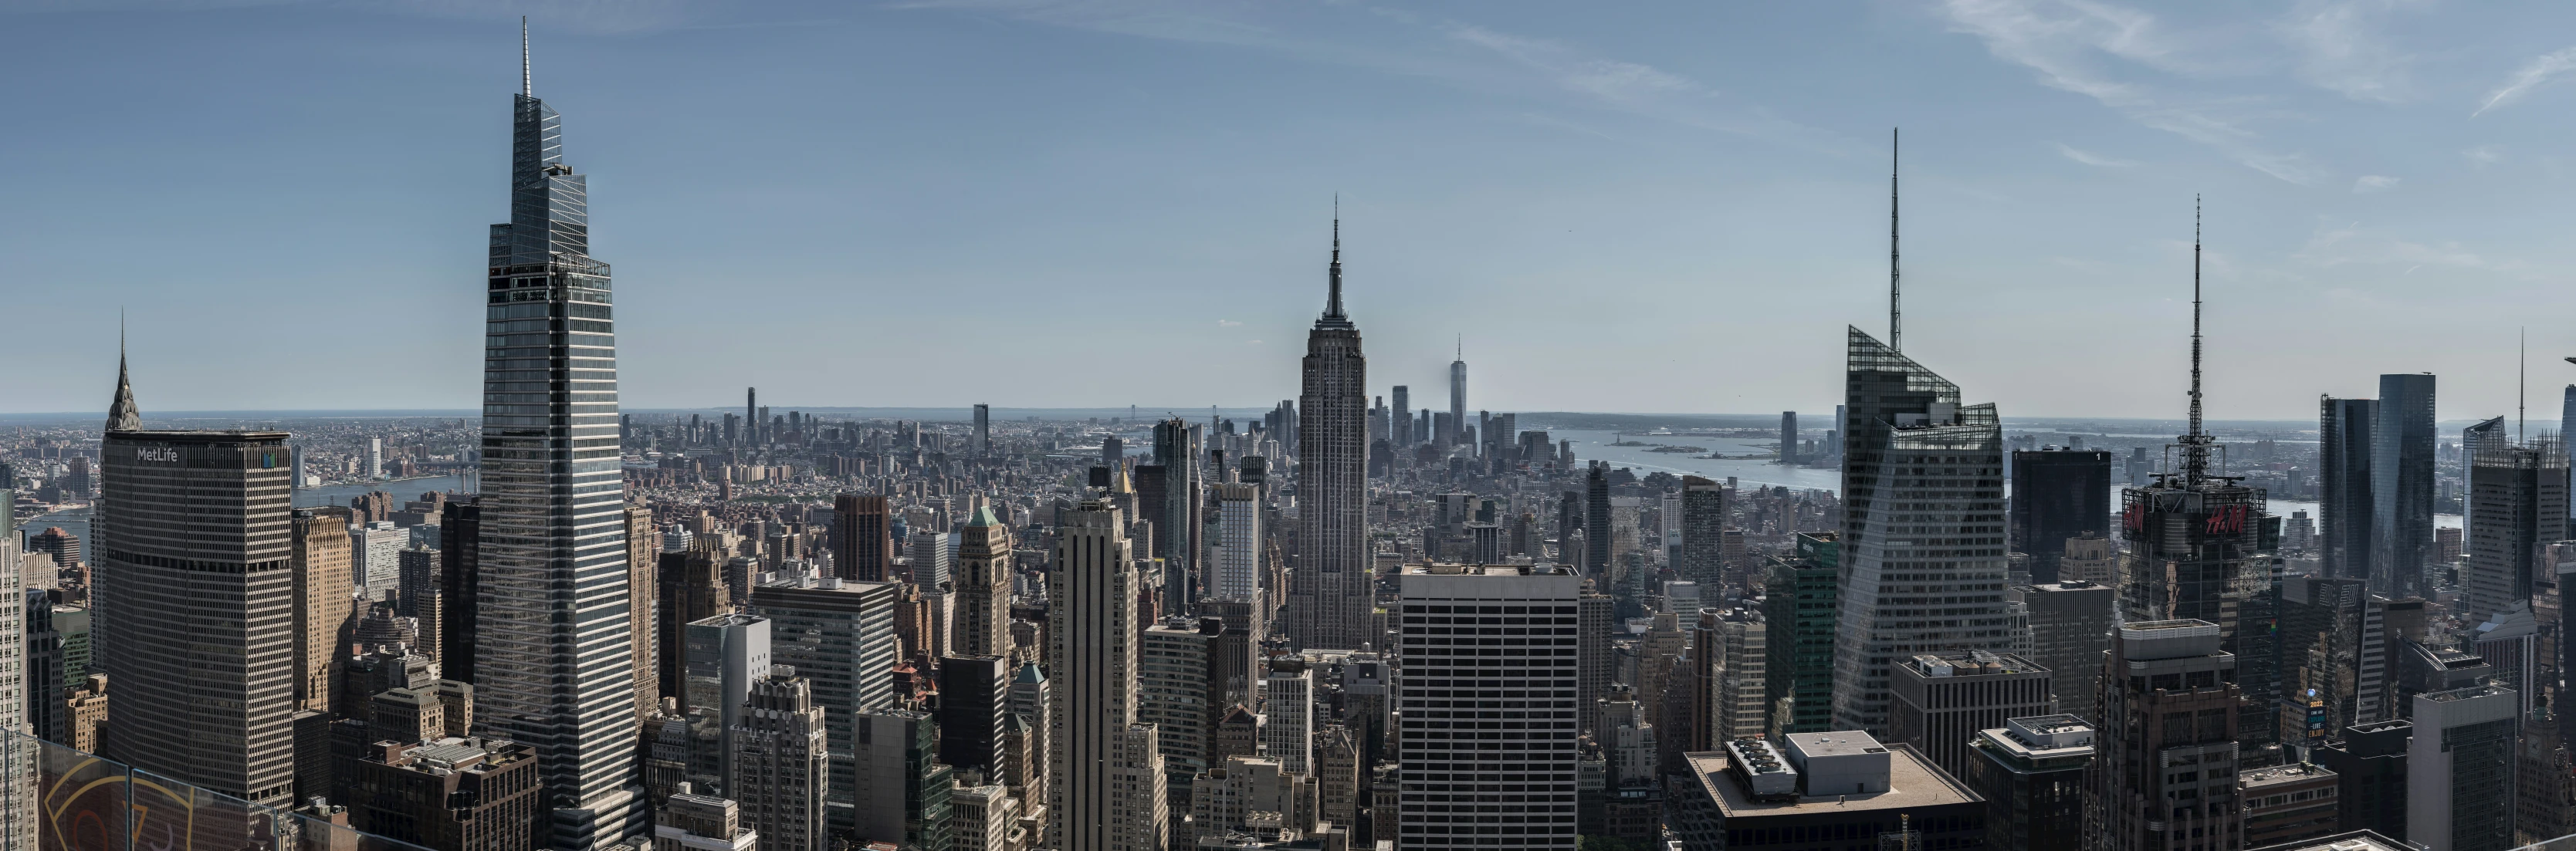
554	658
2057	494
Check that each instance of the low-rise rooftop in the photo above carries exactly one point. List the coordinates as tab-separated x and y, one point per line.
1913	782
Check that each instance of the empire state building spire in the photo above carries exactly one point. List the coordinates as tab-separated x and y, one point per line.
1333	316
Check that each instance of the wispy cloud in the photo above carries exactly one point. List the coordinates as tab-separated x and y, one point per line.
2352	245
2483	155
2534	74
2369	183
1412	44
2070	44
2341	48
2092	159
1227	323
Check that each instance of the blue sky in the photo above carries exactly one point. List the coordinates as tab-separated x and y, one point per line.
1632	206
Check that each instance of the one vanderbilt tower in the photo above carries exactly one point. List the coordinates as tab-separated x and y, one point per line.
551	660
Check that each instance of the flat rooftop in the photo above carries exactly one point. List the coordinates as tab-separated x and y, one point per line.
1912	782
2359	840
2283	774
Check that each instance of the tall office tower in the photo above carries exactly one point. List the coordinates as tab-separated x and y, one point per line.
2460	779
2057	494
1539	764
1703	521
1789	437
983	430
1596	523
1457	396
460	584
1595	663
1288	716
375	458
1941	700
1400	420
2402	485
722	656
1933	533
195	605
974	700
1032	700
1738	696
840	635
984	585
553	655
1105	774
1237	554
322	588
930	564
1112	451
44	704
2344	448
2070	623
865	546
1504	429
2176	699
642	584
1800	594
1176	521
2517	507
1179	694
692	588
2031	771
1333	589
781	764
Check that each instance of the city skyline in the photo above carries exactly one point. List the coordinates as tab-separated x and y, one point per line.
2055	226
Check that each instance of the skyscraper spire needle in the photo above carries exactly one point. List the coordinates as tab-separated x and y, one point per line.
526	85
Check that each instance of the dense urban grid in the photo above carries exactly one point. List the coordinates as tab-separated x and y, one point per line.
1346	622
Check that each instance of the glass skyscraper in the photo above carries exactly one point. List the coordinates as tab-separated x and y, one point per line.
2401	484
554	664
1923	528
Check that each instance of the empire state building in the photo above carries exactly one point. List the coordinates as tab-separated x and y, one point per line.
1332	591
552	656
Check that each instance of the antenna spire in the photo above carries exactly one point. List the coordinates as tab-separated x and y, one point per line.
2521	382
526	86
2195	446
1895	310
1462	346
1333	303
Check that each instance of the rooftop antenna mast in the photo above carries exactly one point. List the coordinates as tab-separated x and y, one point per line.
526	87
2195	445
2521	381
1895	312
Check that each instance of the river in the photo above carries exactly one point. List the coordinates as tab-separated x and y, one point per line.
76	520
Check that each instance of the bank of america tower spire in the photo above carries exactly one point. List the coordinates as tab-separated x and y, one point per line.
1332	590
552	651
